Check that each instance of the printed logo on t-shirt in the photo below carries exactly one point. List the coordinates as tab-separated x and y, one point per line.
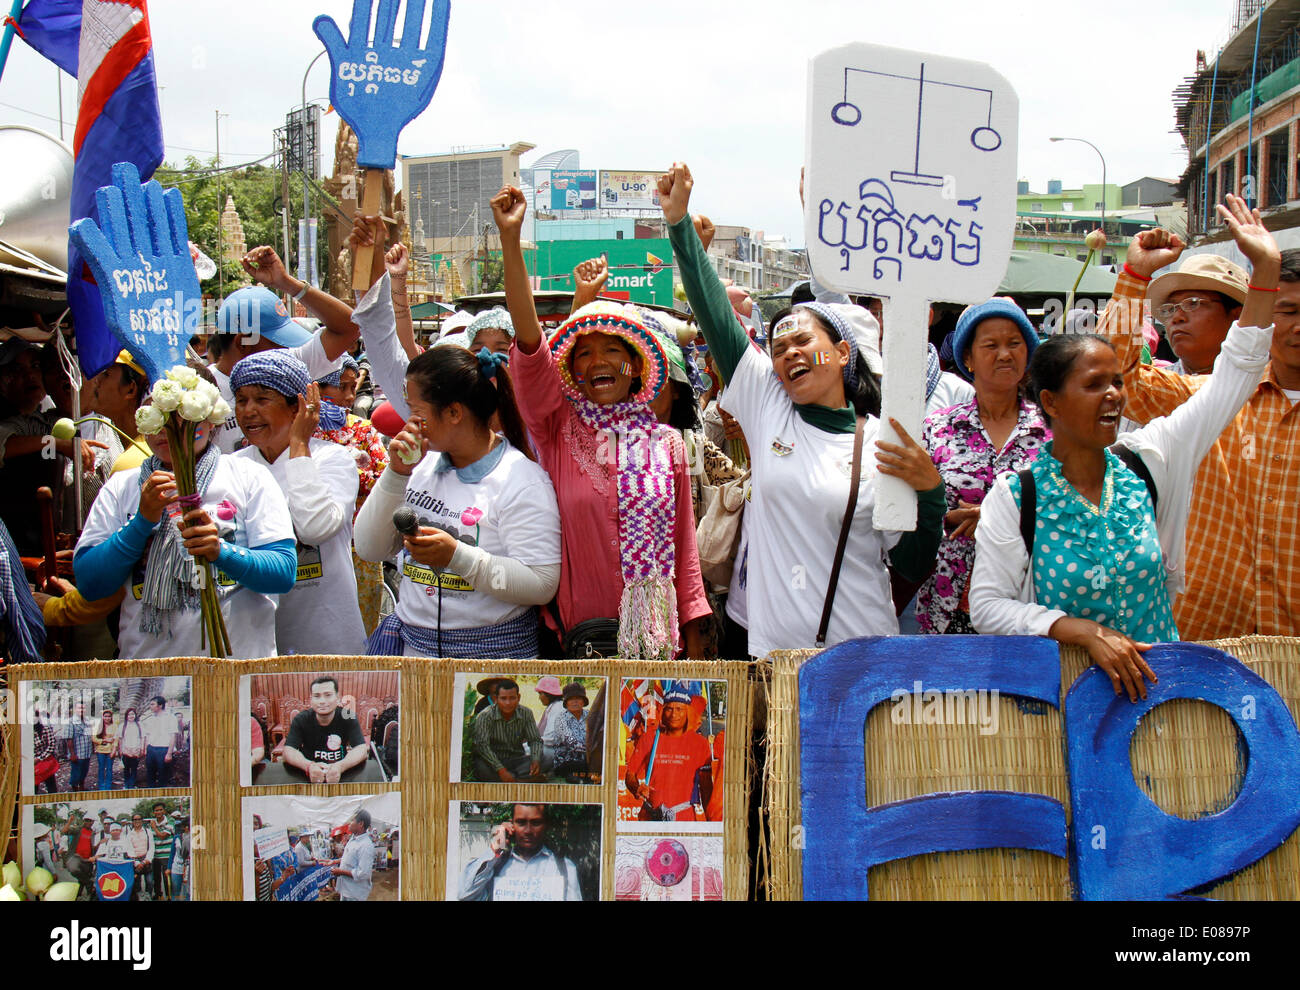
432	579
780	448
310	565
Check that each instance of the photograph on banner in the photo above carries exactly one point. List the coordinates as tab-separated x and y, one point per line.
528	729
573	190
319	727
672	734
523	852
630	190
108	734
668	868
122	849
301	848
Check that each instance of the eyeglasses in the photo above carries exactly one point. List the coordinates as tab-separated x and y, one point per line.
1165	312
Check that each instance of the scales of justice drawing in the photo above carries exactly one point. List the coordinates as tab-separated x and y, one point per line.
909	194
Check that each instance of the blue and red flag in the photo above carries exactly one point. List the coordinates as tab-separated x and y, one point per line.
118	120
114	880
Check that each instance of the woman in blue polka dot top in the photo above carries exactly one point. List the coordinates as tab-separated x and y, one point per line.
1107	559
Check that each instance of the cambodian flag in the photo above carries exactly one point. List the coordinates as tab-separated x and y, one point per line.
106	44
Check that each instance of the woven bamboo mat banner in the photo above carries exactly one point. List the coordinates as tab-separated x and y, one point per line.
993	765
260	828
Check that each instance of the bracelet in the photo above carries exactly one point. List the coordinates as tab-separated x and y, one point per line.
1257	288
302	292
1130	271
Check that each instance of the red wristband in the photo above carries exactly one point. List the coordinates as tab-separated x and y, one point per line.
1130	271
1256	288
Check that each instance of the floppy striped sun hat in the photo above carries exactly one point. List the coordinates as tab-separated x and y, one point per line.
620	321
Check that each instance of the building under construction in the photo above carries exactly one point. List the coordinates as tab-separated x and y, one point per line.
1238	117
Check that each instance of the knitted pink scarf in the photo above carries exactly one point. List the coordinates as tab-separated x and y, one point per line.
647	517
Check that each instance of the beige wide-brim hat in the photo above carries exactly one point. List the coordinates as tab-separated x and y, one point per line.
1209	272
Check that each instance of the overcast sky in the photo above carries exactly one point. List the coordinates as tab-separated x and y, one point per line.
636	85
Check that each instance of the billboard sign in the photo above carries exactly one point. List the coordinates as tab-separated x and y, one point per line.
640	271
629	190
573	190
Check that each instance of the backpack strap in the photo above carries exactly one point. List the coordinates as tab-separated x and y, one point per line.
1028	509
1133	461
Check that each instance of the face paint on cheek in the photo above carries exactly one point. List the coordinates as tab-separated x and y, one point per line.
821	357
580	378
625	368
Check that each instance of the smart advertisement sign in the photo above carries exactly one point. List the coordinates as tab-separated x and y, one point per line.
640	271
573	190
629	190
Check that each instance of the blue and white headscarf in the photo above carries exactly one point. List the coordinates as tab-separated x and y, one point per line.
333	416
839	329
335	378
278	370
495	318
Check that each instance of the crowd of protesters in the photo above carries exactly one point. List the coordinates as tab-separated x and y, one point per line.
632	484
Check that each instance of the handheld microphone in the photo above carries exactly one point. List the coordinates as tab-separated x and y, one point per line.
405	521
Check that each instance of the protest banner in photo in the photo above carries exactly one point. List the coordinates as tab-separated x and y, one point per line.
302	848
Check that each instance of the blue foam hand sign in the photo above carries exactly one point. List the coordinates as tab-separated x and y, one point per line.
139	255
379	87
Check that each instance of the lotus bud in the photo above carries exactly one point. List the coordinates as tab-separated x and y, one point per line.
167	395
65	891
64	429
195	407
184	376
220	412
11	874
8	893
39	881
1095	240
149	420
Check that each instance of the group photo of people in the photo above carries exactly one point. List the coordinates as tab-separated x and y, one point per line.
636	473
515	568
116	850
300	848
106	735
528	728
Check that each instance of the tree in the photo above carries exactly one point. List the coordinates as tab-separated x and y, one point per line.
256	191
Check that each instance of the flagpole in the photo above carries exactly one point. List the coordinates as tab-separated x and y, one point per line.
15	11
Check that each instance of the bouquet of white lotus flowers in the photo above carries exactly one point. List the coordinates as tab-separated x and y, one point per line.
180	403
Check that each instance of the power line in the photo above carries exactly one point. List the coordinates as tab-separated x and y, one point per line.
46	116
196	176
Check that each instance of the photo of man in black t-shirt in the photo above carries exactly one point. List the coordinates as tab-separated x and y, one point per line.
324	742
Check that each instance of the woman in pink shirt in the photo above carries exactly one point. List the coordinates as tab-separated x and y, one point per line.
628	545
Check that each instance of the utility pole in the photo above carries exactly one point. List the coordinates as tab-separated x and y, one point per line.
284	201
221	247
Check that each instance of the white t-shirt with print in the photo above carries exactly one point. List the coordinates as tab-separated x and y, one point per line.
509	513
320	616
249	510
800	490
312	354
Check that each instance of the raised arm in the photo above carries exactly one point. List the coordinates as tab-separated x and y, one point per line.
397	263
339	333
508	209
722	331
1152	392
1186	435
588	282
